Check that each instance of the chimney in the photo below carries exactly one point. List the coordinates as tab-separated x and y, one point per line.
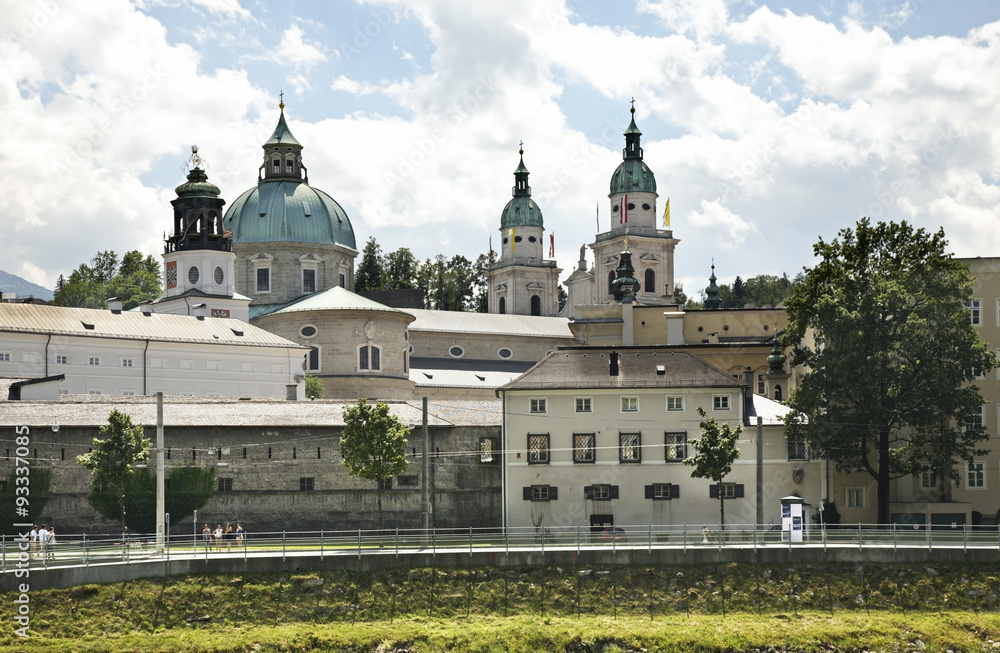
751	384
146	308
200	311
613	371
291	392
115	305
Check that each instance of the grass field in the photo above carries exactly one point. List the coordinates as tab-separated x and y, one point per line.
706	608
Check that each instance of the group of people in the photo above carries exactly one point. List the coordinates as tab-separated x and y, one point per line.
229	535
43	538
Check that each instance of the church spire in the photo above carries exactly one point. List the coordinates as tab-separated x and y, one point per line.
712	299
282	153
632	135
521	187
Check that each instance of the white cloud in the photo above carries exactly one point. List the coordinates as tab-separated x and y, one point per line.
730	229
227	8
295	51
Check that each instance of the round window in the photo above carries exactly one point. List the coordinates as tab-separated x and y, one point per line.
505	353
308	331
193	275
219	276
645	207
517	239
614	209
531	239
505	241
457	352
631	206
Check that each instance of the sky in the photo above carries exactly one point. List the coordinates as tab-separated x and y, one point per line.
768	125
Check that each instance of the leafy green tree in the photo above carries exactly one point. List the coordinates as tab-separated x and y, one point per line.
481	289
370	275
136	280
314	387
401	270
112	460
373	445
189	489
737	294
888	387
714	455
448	285
38	484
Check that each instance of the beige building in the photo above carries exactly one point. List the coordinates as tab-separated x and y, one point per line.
597	436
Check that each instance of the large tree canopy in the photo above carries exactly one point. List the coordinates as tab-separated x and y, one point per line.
881	324
112	460
136	280
373	444
714	455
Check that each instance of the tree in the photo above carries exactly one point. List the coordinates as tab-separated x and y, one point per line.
370	273
401	270
448	284
189	489
737	293
40	479
889	384
136	280
373	445
715	453
112	460
314	387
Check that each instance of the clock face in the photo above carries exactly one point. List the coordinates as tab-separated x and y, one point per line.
171	274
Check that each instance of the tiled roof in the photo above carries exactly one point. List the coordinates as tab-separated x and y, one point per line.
84	410
490	323
130	325
638	368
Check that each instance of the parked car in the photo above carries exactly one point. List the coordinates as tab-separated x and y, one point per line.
613	533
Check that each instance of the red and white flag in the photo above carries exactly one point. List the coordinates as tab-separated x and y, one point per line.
552	245
623	210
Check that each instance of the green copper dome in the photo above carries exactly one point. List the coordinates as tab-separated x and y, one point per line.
632	176
197	185
521	210
288	211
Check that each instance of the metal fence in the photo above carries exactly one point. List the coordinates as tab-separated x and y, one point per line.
84	550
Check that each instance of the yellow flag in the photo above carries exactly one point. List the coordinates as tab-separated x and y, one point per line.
511	240
666	214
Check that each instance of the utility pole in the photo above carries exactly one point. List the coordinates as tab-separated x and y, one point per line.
760	471
161	502
427	474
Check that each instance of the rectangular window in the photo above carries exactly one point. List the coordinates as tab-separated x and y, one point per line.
727	490
212	366
486	448
263	279
225	485
376	358
538	449
127	393
540	493
975	478
797	449
583	448
93	360
720	402
661	491
928	480
630	404
676	444
385	484
975	420
184	364
601	492
629	448
126	362
363	358
761	386
855	497
343	281
156	363
62	359
4	356
537	405
247	367
675	404
975	311
307	484
410	480
312	360
583	405
308	280
29	357
93	391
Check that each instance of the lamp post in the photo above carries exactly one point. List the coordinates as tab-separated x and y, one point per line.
160	492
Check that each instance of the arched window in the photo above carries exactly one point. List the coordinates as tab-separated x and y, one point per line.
611	278
277	164
650	285
312	360
502	306
777	393
369	358
536	305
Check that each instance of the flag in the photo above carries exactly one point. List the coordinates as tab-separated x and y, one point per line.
491	248
597	206
666	214
552	245
511	240
623	211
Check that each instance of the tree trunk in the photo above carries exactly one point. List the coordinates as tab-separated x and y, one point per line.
883	478
722	510
379	481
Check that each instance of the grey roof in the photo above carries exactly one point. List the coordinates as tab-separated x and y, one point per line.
332	299
84	410
490	323
589	368
464	373
770	411
130	325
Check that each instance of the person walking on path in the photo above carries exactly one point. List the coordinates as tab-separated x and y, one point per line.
34	541
239	537
206	535
229	535
218	537
50	544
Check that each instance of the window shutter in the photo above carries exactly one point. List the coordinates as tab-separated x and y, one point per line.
649	491
739	490
553	493
713	491
614	492
675	491
527	493
588	492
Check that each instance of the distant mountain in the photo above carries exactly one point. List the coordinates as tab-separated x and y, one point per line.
13	283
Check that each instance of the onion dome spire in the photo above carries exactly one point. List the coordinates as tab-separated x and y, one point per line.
712	299
625	284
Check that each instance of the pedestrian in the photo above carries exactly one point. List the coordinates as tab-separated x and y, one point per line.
704	534
239	537
43	540
34	540
51	543
218	537
229	535
206	535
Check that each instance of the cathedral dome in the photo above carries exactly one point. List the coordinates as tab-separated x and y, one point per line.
632	176
288	211
521	210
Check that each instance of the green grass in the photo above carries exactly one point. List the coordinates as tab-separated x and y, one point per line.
708	608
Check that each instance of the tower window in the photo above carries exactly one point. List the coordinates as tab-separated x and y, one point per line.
263	279
611	280
220	276
502	306
312	362
193	275
277	165
536	305
650	281
308	280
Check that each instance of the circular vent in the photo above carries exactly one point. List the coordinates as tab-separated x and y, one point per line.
505	353
456	351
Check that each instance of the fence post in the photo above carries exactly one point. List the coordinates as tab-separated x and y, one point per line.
859	536
322	544
3	549
397	540
506	539
755	535
894	540
649	537
543	540
86	550
965	538
685	538
434	541
578	540
930	536
282	545
470	541
359	543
